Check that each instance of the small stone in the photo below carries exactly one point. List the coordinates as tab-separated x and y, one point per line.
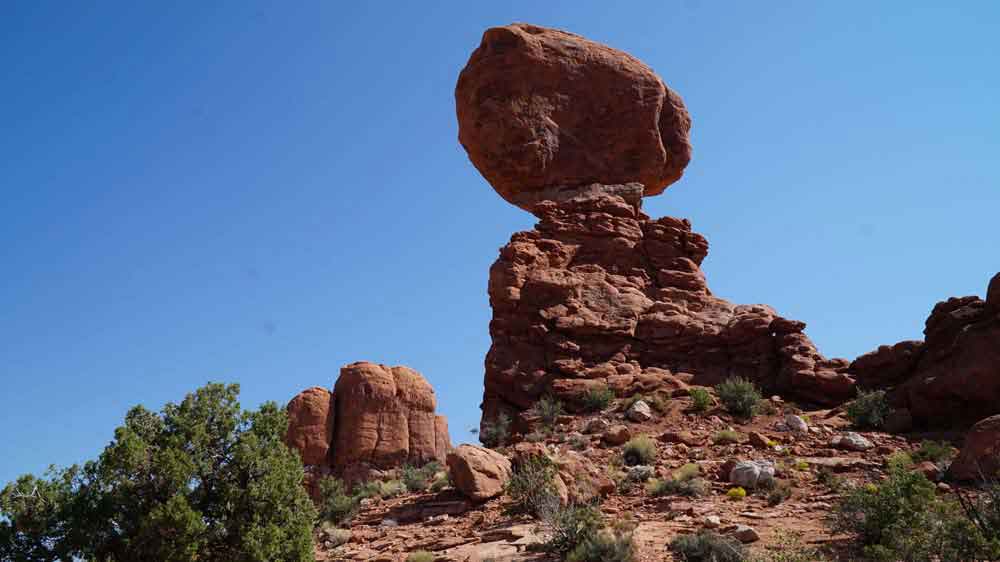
711	522
744	533
639	412
796	424
852	442
640	473
759	441
596	425
682	437
389	523
617	435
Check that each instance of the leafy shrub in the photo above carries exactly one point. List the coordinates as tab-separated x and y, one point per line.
639	450
899	459
419	479
726	437
420	556
701	399
495	433
441	481
200	480
693	487
801	466
902	519
869	409
984	509
597	399
707	547
789	548
569	527
391	488
830	480
336	505
933	451
737	493
548	410
604	546
687	472
780	492
531	488
739	396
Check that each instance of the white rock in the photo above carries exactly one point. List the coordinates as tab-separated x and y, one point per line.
711	522
640	473
752	474
639	412
796	424
851	441
744	534
597	425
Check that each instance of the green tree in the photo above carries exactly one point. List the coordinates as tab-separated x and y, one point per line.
201	480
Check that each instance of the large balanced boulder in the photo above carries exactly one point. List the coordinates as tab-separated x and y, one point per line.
540	108
479	473
601	296
310	425
980	455
386	418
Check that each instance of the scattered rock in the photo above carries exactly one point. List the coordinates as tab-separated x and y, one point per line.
639	412
478	472
685	437
617	435
851	441
980	454
751	474
711	522
743	533
597	425
796	424
640	473
758	440
930	470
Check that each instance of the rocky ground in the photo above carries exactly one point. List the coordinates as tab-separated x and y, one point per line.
454	529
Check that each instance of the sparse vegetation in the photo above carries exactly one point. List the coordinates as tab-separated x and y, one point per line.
531	488
548	410
789	548
869	409
579	442
495	433
569	527
701	399
736	494
899	459
687	472
419	479
830	480
597	399
726	437
780	491
694	487
641	449
336	505
707	547
933	451
605	546
739	396
656	401
420	556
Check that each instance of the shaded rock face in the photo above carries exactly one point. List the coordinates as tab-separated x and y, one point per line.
541	108
599	294
980	455
952	378
376	418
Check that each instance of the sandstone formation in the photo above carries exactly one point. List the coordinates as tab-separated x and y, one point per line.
541	109
952	378
980	455
600	295
478	472
376	418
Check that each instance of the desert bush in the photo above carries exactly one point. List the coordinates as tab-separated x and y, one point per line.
736	494
983	509
441	481
693	487
495	433
902	519
200	480
899	459
391	488
336	505
830	480
687	472
604	546
640	449
420	556
570	526
868	410
531	488
579	442
933	451
780	491
548	410
707	547
701	399
419	479
739	396
789	548
597	399
726	437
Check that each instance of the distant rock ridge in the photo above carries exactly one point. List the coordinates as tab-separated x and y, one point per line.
600	295
376	418
952	377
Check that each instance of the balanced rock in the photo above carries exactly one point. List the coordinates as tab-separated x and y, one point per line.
387	417
540	110
310	425
980	454
600	296
478	472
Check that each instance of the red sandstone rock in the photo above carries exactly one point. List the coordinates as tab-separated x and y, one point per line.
385	418
887	365
478	472
541	108
599	294
980	455
310	425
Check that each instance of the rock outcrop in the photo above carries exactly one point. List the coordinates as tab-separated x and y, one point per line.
600	295
376	418
952	378
540	108
980	455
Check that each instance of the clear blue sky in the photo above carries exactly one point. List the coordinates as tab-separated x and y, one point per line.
262	192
